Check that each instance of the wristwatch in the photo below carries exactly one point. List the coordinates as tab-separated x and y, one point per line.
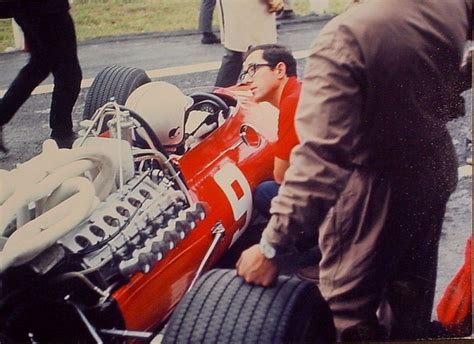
267	249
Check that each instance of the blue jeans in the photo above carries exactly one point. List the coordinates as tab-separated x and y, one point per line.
263	196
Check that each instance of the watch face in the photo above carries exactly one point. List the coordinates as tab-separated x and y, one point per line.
267	250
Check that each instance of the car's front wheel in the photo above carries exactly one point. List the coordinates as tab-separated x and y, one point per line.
113	82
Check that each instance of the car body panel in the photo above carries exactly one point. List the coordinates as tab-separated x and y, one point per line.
222	172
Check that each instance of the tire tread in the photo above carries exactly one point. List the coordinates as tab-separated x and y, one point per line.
223	308
113	81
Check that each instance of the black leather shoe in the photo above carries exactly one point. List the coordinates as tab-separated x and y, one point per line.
209	38
64	140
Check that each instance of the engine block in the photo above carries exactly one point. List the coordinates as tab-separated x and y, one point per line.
133	228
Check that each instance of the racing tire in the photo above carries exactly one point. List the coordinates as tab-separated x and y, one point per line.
223	308
116	82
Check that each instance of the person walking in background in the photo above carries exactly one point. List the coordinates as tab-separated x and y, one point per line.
375	165
205	22
287	12
244	23
49	31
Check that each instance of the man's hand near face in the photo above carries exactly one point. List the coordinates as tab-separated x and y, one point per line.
254	268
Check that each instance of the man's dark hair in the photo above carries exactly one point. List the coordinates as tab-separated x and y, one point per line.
275	53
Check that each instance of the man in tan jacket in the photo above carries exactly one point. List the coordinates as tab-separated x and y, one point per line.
244	23
375	165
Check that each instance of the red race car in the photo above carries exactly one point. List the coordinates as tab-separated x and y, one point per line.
100	243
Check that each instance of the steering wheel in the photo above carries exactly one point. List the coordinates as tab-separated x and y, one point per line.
208	103
204	101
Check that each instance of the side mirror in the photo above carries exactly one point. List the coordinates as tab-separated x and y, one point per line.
250	136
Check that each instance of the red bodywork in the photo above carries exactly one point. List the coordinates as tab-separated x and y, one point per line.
221	172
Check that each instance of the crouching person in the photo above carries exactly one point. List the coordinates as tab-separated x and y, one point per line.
269	71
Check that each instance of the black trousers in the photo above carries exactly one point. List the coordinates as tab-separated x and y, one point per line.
51	39
205	15
231	67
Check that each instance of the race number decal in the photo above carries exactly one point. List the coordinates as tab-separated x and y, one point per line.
237	190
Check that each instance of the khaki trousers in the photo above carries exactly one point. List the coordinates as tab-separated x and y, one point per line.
379	244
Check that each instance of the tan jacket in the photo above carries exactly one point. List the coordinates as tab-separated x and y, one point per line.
245	23
380	84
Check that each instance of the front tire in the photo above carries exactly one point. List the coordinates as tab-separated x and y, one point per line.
115	82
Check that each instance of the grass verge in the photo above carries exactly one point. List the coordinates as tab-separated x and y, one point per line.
103	18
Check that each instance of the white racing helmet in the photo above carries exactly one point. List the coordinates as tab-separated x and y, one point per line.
163	106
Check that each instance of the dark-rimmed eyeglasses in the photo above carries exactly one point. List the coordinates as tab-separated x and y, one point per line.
252	69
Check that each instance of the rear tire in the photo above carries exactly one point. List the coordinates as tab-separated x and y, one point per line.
113	82
222	308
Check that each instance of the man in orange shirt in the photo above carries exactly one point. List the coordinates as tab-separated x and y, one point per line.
270	73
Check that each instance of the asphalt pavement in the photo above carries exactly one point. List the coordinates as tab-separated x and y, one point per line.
176	57
181	59
159	51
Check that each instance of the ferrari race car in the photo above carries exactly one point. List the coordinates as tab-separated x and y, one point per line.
105	242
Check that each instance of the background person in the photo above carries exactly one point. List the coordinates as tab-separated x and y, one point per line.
49	31
381	82
205	22
287	12
244	23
